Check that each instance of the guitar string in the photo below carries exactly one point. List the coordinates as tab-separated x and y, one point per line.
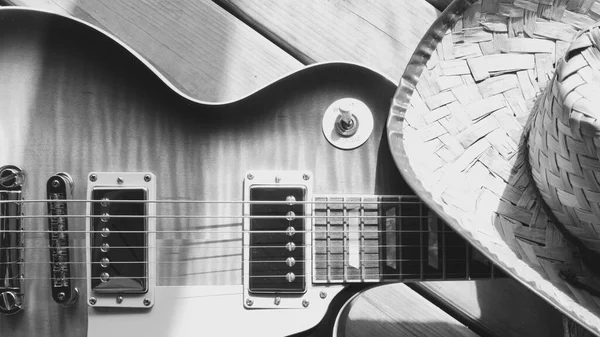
348	273
284	216
199	246
211	231
243	260
361	200
349	277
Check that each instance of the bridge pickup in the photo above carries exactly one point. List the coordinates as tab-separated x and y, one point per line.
11	240
59	190
122	239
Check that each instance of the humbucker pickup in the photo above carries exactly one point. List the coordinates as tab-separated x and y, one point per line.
277	228
119	243
122	239
277	244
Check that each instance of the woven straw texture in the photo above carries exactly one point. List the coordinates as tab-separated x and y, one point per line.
562	152
457	140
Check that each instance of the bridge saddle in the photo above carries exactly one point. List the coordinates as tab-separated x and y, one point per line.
11	239
59	190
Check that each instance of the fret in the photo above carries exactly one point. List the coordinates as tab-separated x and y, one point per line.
352	209
456	255
396	239
443	252
390	238
345	243
328	245
479	266
433	247
347	247
371	240
411	238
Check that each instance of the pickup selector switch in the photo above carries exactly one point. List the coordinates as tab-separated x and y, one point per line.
347	123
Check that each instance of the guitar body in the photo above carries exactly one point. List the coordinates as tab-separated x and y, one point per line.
74	100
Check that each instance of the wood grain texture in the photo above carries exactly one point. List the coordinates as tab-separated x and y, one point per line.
439	4
508	308
383	35
379	314
75	101
190	82
380	34
196	44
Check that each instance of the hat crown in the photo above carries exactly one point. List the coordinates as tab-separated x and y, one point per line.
564	139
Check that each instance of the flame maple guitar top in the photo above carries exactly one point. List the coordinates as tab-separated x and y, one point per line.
74	100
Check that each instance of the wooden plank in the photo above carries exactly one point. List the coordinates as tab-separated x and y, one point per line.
379	34
439	4
396	310
197	45
221	78
500	302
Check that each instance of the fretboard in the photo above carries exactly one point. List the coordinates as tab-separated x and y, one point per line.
389	239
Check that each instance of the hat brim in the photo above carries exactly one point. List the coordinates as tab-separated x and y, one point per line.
458	151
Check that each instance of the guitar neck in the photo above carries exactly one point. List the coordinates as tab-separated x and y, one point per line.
389	239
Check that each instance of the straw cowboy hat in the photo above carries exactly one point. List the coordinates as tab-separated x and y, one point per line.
494	127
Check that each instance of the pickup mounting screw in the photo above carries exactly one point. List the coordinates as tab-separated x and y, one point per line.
119	299
249	302
249	176
305	303
277	179
61	296
120	180
93	177
277	300
147	302
147	178
93	300
305	176
55	183
323	294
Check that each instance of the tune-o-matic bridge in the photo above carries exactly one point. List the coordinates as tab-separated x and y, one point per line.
59	190
11	239
121	261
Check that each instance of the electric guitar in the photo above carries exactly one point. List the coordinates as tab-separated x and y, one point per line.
128	208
